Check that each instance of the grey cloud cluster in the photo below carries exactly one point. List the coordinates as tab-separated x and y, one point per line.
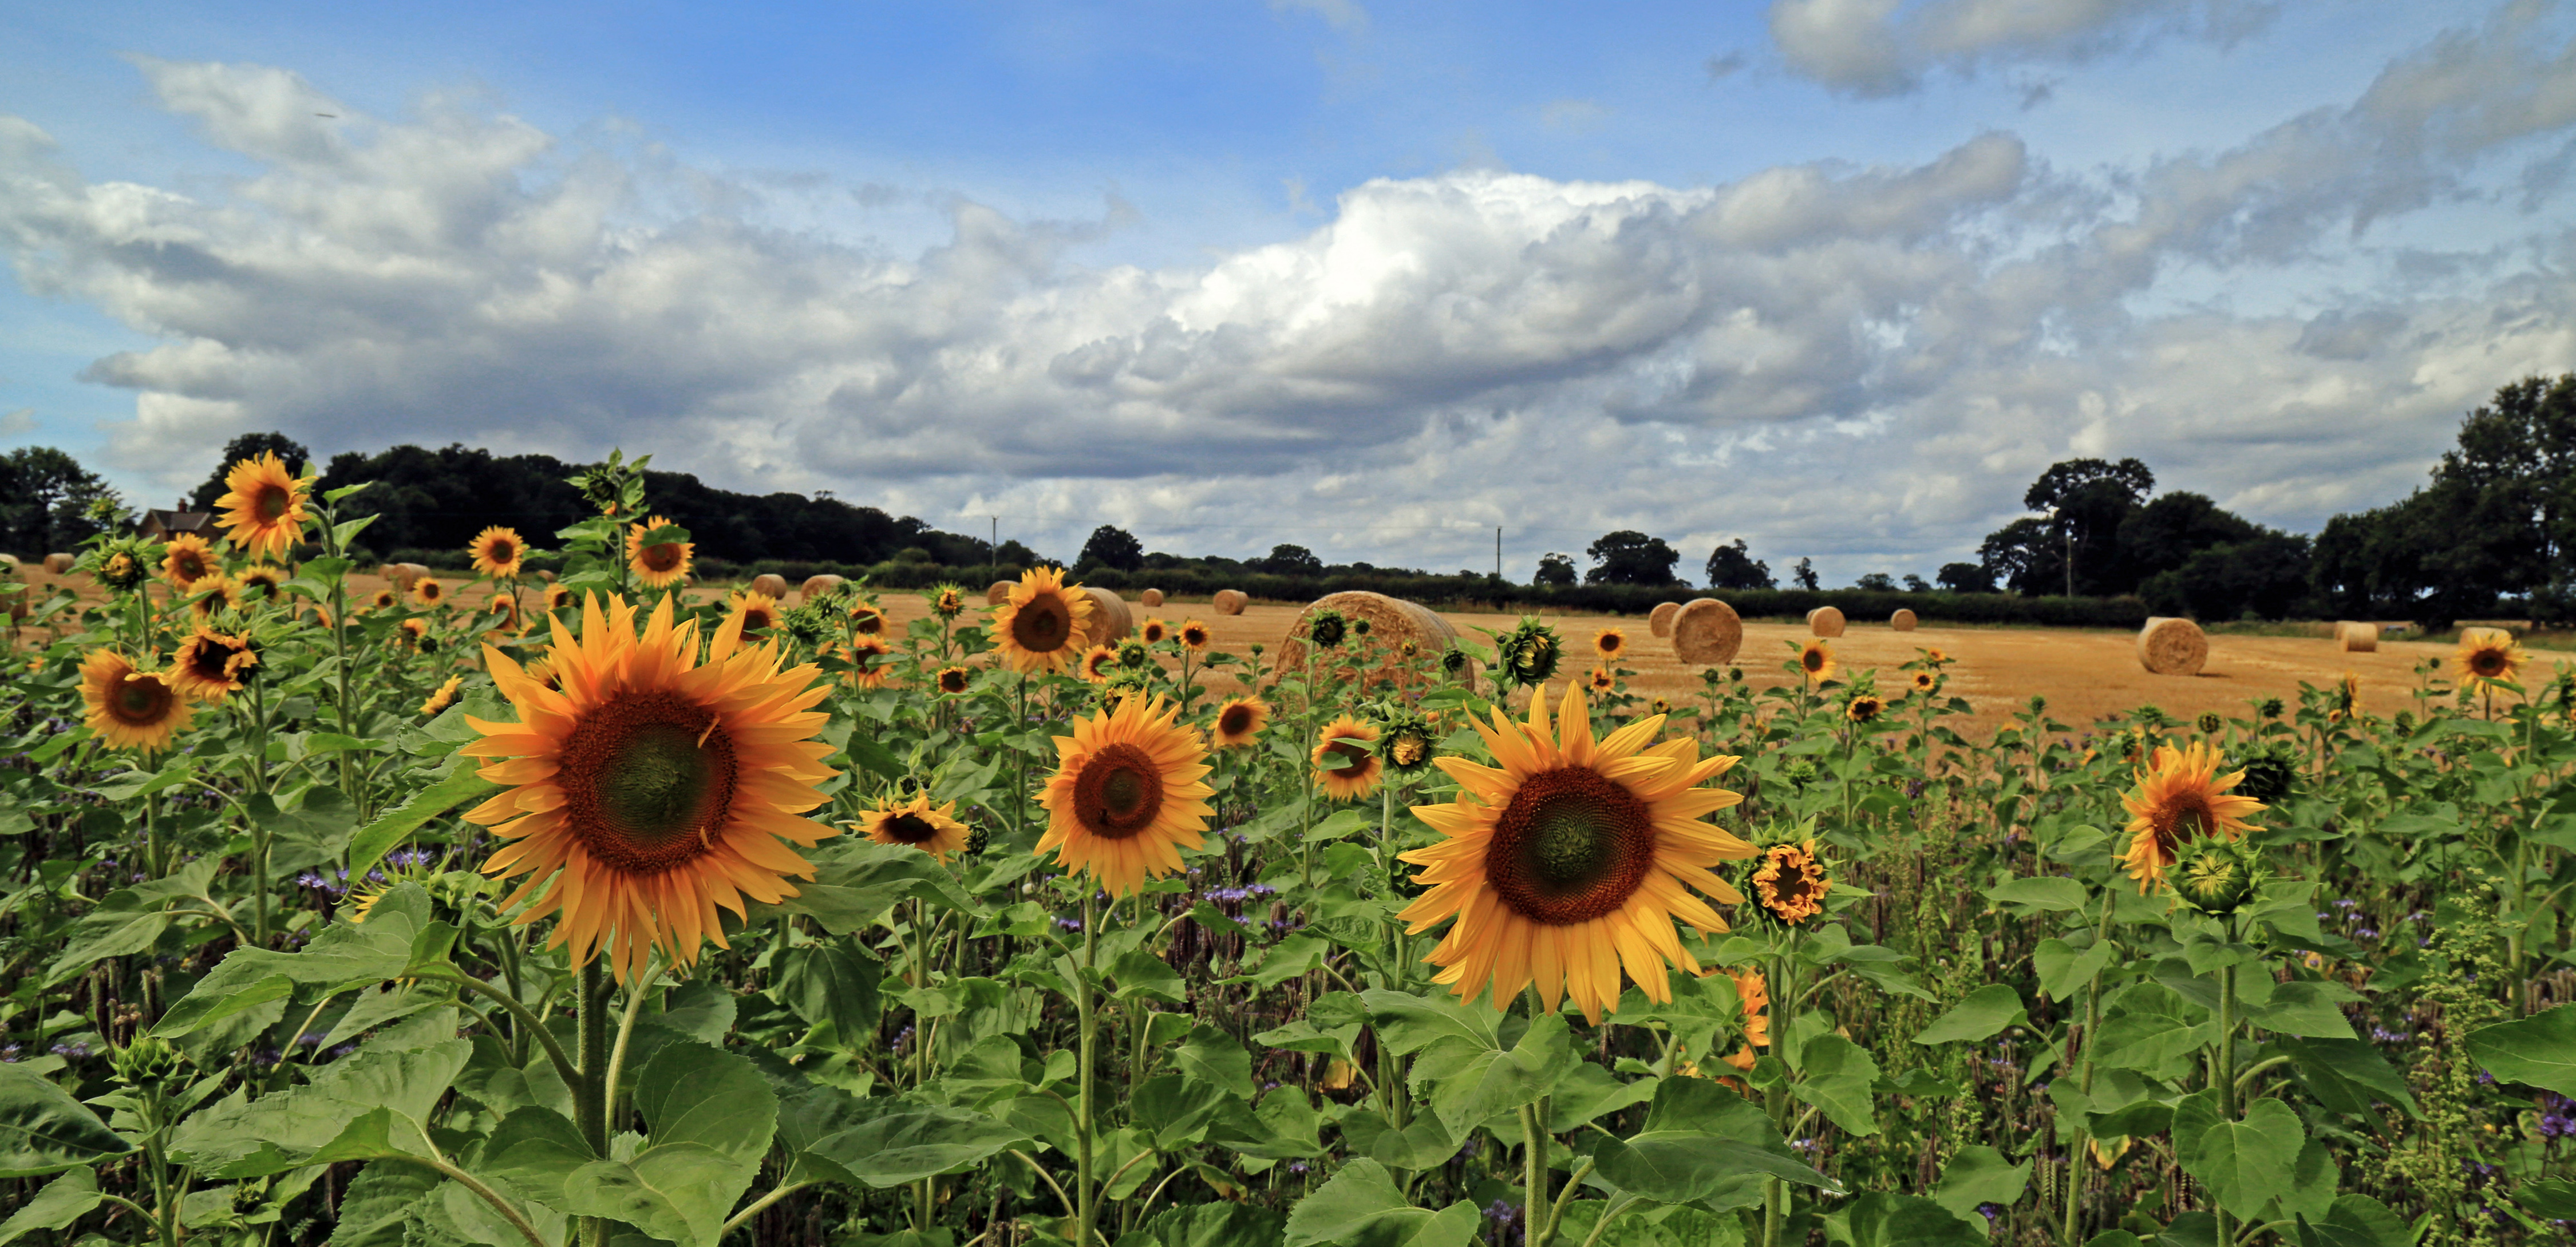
1888	47
1861	364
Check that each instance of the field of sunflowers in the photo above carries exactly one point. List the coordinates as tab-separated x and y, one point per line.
584	911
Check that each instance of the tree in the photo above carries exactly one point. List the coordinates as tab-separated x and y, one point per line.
1112	546
1876	582
248	446
2085	501
1805	575
2024	556
2164	534
1965	578
1629	557
1555	571
1734	567
1288	560
1916	584
2265	575
50	503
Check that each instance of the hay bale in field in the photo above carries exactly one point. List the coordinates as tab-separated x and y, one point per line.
1153	597
547	575
2357	638
1824	621
1660	620
1232	601
1109	618
1707	632
999	592
1392	622
58	563
2168	646
770	583
390	571
1902	620
816	586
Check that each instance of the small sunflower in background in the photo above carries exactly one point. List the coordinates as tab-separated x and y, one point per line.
2486	657
122	565
953	680
497	552
1610	643
1327	629
1239	722
1602	682
657	564
948	601
444	697
426	592
1528	654
557	598
413	633
1194	636
1154	631
504	609
212	592
1926	683
871	662
758	611
128	707
1816	661
2180	798
1351	741
186	560
935	831
1099	663
261	581
1127	796
212	664
1864	708
1133	657
2346	701
2210	723
1659	706
1041	625
384	600
1791	884
263	507
867	619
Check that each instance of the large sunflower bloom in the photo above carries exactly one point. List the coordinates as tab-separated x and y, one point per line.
933	831
1127	795
661	564
652	786
210	664
1816	659
1572	859
1239	722
186	560
1354	742
1040	625
131	708
2182	799
2487	656
497	552
264	508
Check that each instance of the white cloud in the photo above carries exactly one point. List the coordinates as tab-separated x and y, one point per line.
1864	364
18	423
1887	47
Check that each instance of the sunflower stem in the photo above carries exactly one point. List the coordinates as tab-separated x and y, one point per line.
2079	1135
590	1107
1534	1210
1086	1199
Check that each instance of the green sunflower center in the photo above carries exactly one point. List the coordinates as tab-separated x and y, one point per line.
272	502
648	780
1571	846
1118	793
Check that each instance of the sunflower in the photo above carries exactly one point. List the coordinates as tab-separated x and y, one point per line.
543	672
261	580
654	786
264	506
1926	683
2347	699
504	607
1126	796
1155	630
1099	663
1239	722
130	707
2486	657
1753	996
557	598
1038	627
661	564
1349	739
1659	706
1572	859
210	664
1816	659
2181	800
426	592
934	831
953	680
212	592
871	664
948	601
413	631
1790	885
186	560
1609	643
1528	653
497	552
1934	655
1601	681
1863	708
1194	636
1327	628
1407	746
866	619
759	611
444	697
385	600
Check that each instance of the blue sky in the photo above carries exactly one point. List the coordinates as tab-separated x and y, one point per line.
1836	276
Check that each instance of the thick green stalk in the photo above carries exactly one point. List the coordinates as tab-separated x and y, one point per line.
1534	1208
2078	1136
1086	1198
2223	1075
590	1094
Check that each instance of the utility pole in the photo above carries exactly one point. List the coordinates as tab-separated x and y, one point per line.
1498	551
993	548
2070	558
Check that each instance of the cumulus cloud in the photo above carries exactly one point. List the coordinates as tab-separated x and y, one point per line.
1860	363
1888	47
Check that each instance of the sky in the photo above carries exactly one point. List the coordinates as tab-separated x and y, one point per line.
1838	278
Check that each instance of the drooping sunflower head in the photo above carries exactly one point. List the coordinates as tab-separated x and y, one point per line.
2486	657
498	552
1099	663
1528	653
759	612
1816	661
1407	745
948	601
261	581
871	662
1154	631
2180	798
653	786
210	664
1327	629
212	592
1194	635
124	563
2210	723
1127	796
953	680
1239	722
1791	884
1571	858
916	822
263	506
1610	642
658	552
131	708
443	697
1864	708
426	592
1346	762
1926	683
186	560
1041	626
867	619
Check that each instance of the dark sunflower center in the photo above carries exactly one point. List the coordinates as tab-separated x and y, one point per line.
952	681
1042	626
758	619
141	701
272	502
1357	762
1791	883
646	783
1118	793
1610	645
209	659
2186	818
1572	846
1234	720
1813	660
503	552
662	556
191	567
868	625
910	829
2487	662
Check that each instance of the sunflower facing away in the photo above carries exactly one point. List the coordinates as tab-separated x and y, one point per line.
2487	656
1194	635
186	560
263	507
1239	722
2178	801
1816	659
653	786
1039	627
1572	859
759	611
211	664
131	708
1790	885
1610	643
934	831
497	552
1354	742
1099	663
871	662
1126	796
661	564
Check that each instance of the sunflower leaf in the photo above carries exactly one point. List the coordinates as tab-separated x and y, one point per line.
1362	1207
44	1130
461	783
2538	1051
1983	1015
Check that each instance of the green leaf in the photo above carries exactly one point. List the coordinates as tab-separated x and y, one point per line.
903	1142
1983	1015
1220	1224
2064	971
855	882
1884	1219
1361	1207
693	1093
64	1200
2550	1200
2357	1221
1980	1175
1702	1144
460	785
44	1130
2247	1164
1837	1076
2039	893
1211	1056
1489	1082
1293	957
2539	1050
1176	1112
2301	1009
241	1137
2347	1076
1140	975
1409	1023
535	1151
344	955
831	983
379	1201
675	1192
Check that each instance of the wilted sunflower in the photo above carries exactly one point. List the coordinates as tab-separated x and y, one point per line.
1610	643
1040	625
1816	660
653	786
953	680
426	592
1099	663
660	564
759	611
2486	657
123	564
263	506
1926	683
2182	799
131	708
1348	739
557	598
261	581
1407	745
1602	681
1155	630
497	552
210	664
1863	708
866	619
1126	796
444	697
1194	635
933	831
1572	859
1239	722
186	560
1327	629
1790	884
212	592
947	601
871	662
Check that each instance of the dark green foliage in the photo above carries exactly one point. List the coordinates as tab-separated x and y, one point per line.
1734	567
46	498
1112	546
1629	557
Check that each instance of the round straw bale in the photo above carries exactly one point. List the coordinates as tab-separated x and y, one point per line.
2168	646
1707	632
999	592
547	575
1152	597
1109	618
389	571
1392	621
58	563
770	583
2357	638
816	586
1824	621
1902	620
1231	601
1660	620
